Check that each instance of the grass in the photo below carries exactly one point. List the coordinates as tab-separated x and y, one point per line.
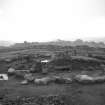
93	94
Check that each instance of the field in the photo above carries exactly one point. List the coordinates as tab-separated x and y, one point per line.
74	94
68	94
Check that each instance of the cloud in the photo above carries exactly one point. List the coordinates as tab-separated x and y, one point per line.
5	6
1	12
2	2
40	19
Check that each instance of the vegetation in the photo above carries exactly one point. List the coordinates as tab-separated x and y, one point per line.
64	60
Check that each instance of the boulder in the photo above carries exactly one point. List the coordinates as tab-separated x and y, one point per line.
11	71
90	79
42	81
99	79
63	80
68	80
24	82
29	77
84	78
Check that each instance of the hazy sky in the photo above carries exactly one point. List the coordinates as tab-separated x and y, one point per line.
43	20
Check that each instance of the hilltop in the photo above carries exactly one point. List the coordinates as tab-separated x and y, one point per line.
59	42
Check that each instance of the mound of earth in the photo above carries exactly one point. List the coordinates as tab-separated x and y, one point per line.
76	63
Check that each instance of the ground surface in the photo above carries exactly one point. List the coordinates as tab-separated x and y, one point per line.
75	94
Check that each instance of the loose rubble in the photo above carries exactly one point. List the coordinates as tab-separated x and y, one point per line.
39	100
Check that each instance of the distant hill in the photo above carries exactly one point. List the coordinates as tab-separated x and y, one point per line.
77	42
98	39
78	47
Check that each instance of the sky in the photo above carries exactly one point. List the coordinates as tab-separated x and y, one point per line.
46	20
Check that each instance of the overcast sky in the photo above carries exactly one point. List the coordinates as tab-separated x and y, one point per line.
45	20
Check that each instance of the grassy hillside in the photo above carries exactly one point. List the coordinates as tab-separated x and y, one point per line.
78	58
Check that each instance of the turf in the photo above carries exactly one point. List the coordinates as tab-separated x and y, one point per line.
78	94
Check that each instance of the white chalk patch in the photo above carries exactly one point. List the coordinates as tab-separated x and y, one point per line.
3	77
45	61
